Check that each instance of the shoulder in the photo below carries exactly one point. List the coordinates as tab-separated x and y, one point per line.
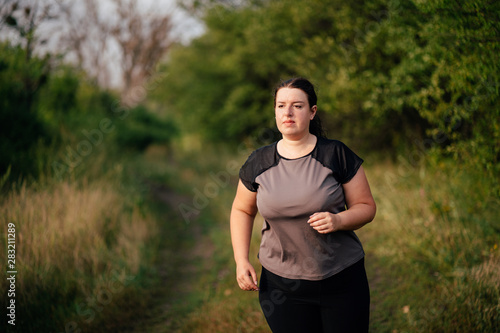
262	154
335	155
328	148
259	161
330	143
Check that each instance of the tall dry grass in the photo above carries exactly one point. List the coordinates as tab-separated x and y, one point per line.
78	248
435	247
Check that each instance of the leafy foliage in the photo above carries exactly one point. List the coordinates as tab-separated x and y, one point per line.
52	117
142	128
450	74
21	127
389	73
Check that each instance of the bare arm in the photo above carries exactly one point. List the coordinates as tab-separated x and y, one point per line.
361	208
242	218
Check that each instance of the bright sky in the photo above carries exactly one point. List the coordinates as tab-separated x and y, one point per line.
185	26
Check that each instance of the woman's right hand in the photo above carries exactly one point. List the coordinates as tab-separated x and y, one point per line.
246	276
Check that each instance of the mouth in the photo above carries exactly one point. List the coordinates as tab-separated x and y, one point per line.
288	122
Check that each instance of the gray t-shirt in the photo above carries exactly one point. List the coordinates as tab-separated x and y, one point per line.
288	192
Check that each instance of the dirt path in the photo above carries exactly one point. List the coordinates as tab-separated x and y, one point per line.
178	266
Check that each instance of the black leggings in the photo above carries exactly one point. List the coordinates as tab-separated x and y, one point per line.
340	303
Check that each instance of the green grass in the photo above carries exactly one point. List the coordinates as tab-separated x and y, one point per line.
111	254
432	251
85	249
206	297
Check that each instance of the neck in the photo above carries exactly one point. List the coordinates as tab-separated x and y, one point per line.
296	147
298	142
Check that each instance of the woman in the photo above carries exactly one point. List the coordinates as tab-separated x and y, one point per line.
312	193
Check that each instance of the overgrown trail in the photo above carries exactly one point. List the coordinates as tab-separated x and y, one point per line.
183	265
182	258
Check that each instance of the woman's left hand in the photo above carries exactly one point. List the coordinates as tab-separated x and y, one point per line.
324	222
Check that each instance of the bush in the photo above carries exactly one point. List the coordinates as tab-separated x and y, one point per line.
142	128
21	127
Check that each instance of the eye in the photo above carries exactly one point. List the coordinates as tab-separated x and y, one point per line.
298	106
280	106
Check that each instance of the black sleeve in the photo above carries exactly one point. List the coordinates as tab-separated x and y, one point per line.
258	162
247	172
336	156
348	162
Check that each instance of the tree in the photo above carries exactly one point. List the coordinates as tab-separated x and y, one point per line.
23	73
449	71
247	49
102	35
390	74
21	128
24	19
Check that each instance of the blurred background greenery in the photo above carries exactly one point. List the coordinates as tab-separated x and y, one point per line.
112	113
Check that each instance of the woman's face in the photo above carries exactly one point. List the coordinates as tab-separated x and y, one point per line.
293	113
